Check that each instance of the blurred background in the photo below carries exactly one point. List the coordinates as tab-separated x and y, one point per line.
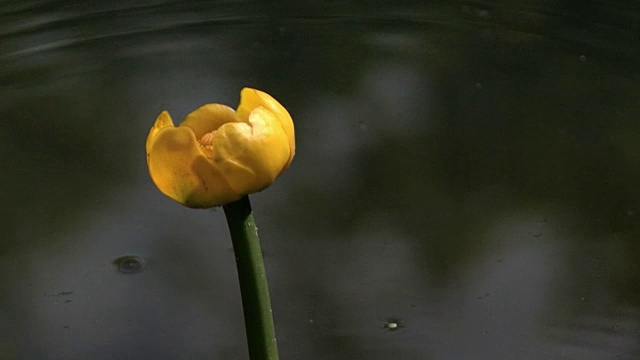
468	170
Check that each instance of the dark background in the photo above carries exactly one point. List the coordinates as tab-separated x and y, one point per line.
470	169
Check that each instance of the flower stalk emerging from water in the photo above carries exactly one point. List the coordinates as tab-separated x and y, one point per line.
258	317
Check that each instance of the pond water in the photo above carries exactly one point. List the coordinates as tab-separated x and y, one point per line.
465	184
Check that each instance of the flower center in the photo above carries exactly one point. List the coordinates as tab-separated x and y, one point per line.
206	144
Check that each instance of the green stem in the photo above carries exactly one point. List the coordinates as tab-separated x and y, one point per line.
258	317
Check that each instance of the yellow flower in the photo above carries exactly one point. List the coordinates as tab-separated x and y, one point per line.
217	155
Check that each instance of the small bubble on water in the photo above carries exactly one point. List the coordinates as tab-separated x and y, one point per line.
483	13
393	325
129	264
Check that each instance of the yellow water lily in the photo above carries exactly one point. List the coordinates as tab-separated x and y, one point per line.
217	155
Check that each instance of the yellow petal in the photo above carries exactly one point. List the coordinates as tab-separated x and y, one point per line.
181	171
208	118
253	154
163	121
217	155
251	99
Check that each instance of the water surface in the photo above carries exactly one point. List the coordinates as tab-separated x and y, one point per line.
466	170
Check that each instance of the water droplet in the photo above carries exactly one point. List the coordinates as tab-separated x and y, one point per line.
129	264
393	324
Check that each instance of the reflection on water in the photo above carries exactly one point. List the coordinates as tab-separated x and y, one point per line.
465	187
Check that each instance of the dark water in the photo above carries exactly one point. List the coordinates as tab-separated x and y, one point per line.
468	171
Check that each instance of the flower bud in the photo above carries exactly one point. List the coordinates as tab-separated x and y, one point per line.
217	155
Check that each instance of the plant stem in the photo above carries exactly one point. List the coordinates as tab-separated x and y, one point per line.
258	317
